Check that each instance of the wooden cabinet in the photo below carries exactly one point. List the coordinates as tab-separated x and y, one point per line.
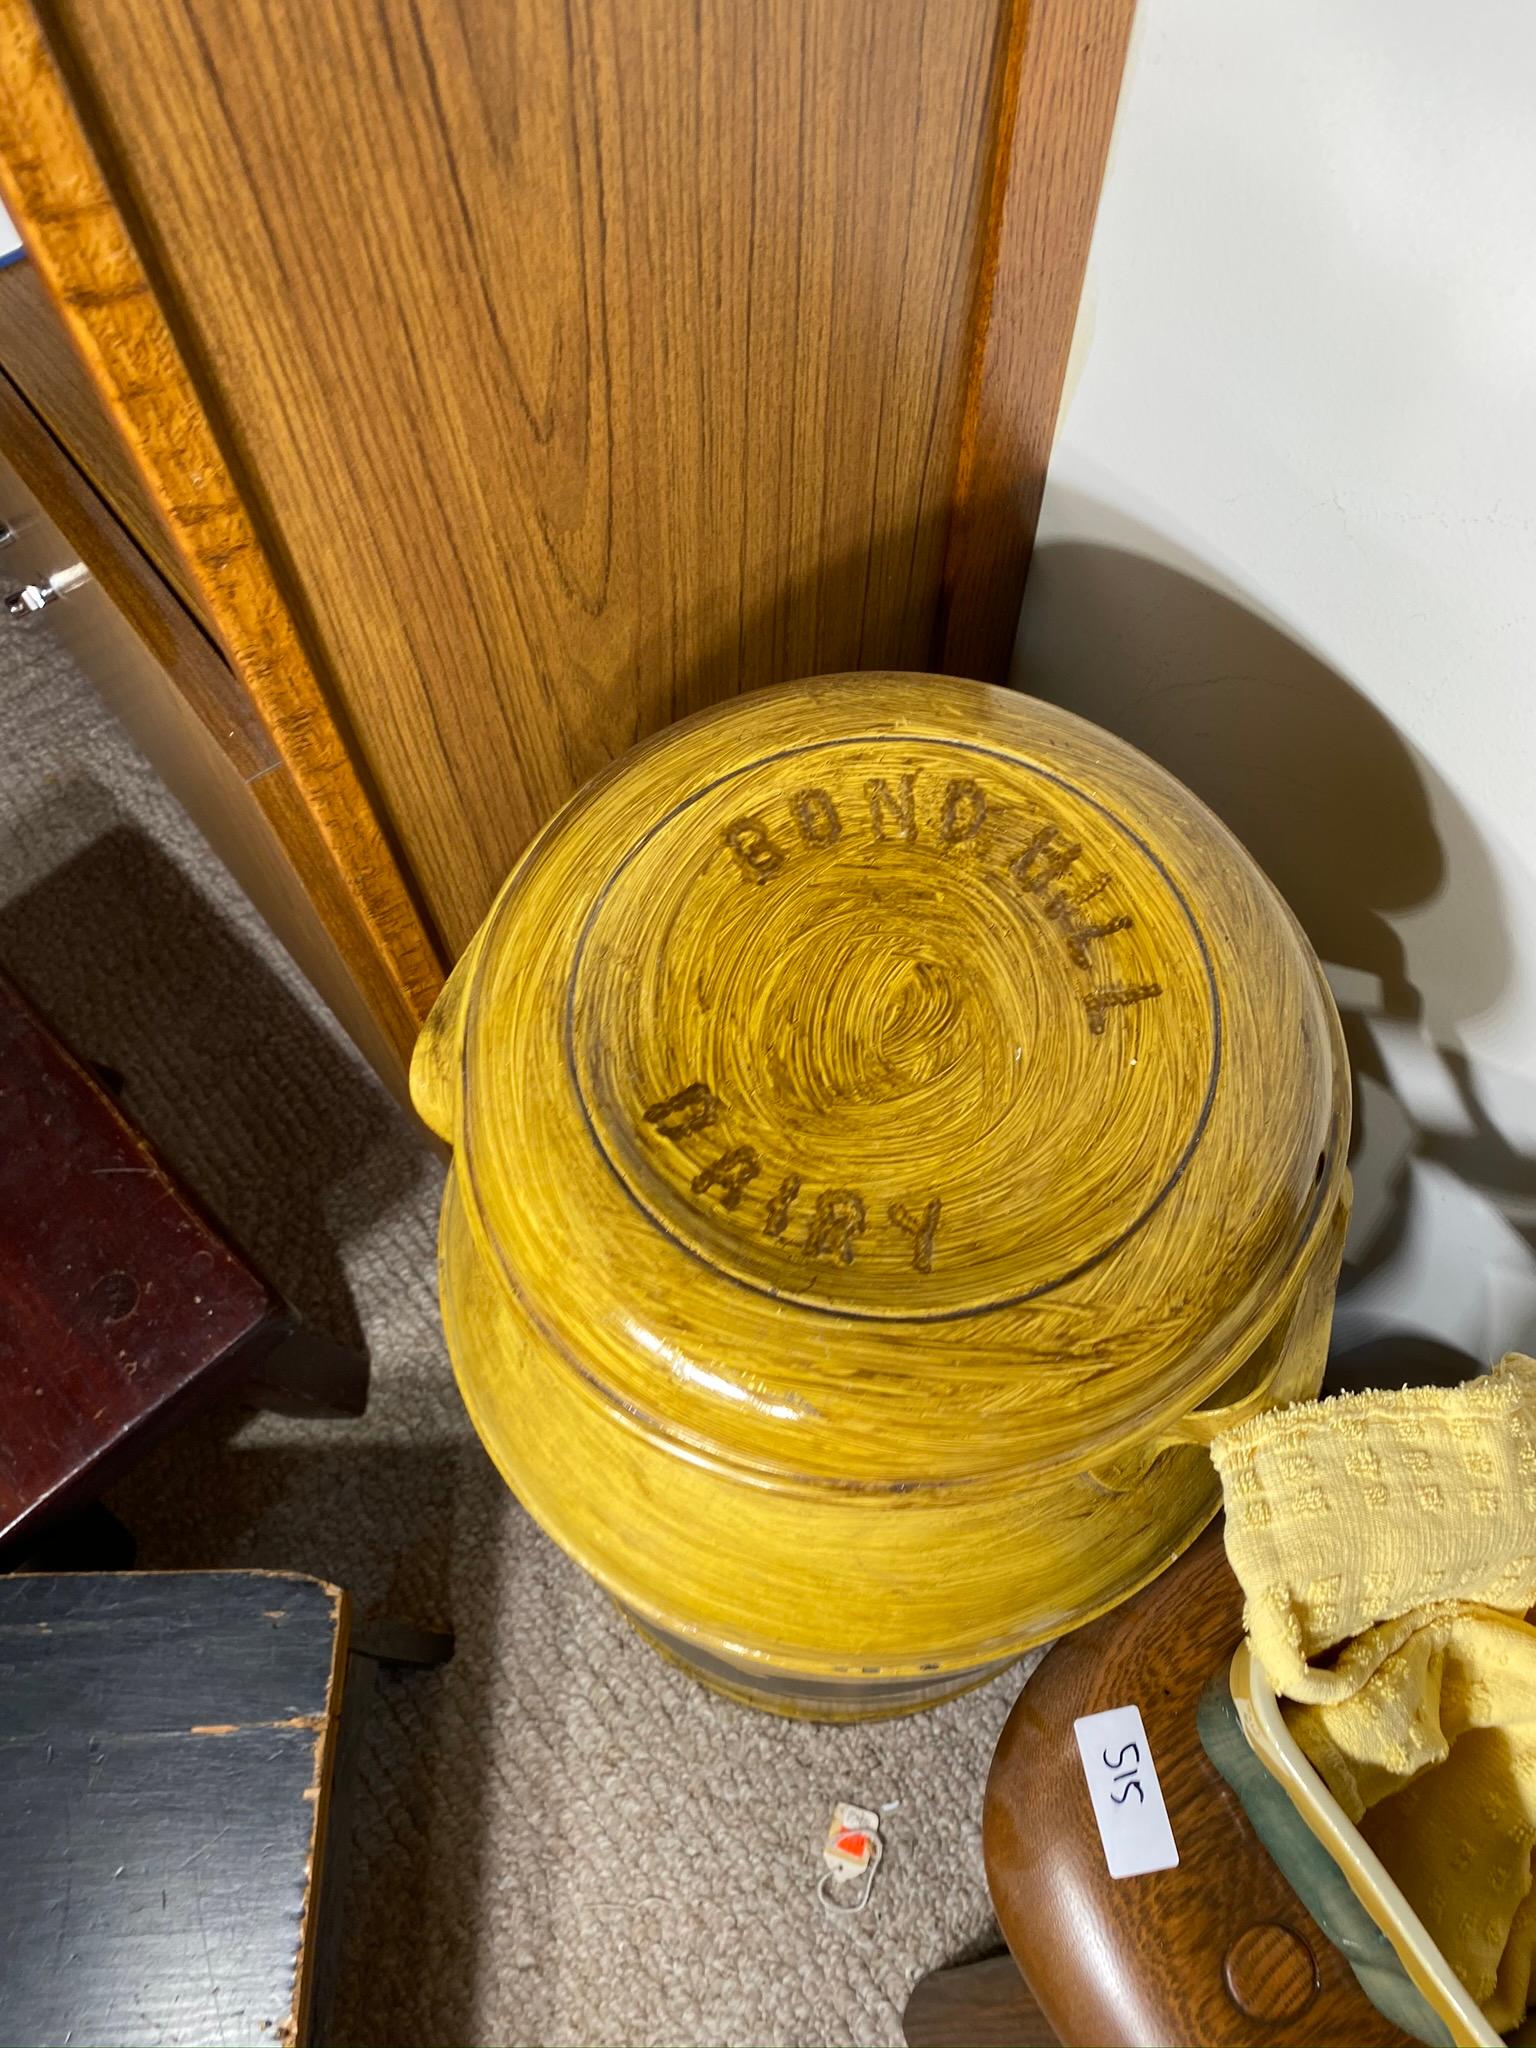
498	380
173	690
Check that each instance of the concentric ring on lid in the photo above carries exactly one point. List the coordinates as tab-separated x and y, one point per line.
890	1080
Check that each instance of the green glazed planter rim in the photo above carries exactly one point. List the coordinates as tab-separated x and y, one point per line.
1334	1870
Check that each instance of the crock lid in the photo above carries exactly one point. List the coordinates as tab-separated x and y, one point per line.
893	1079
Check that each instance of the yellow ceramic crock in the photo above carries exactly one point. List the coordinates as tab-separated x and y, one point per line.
896	1125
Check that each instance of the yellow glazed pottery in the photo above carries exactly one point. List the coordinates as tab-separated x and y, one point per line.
896	1125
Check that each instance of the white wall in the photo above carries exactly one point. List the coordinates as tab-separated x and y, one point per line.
1289	546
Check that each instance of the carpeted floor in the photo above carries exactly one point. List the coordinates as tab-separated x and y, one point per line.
561	1840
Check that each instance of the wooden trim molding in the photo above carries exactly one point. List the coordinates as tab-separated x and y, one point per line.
183	708
1062	68
54	187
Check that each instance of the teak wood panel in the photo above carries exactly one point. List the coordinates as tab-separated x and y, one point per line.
593	359
1058	95
51	179
36	355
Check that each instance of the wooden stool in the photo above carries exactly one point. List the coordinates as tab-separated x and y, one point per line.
1218	1950
123	1308
174	1756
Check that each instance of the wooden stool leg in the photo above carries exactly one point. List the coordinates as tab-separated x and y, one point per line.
90	1540
975	2005
388	1641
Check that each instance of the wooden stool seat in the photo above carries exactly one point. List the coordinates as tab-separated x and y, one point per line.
123	1308
1218	1950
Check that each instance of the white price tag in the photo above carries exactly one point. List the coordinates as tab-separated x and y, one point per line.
1127	1799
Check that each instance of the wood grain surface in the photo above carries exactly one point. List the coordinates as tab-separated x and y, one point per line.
79	525
165	1763
1218	1950
975	2005
897	1125
51	181
175	693
38	358
589	360
122	1309
1062	70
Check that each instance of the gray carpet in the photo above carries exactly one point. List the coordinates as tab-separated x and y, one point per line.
561	1839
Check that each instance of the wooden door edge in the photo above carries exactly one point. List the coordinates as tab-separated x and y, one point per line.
198	686
54	187
1058	87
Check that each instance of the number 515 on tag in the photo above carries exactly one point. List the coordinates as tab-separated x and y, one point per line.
1127	1799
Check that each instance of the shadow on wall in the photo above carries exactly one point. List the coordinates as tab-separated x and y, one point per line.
1361	837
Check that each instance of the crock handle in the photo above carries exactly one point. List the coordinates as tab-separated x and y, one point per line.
436	1061
1202	1426
1301	1335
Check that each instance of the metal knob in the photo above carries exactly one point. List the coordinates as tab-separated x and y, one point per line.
33	596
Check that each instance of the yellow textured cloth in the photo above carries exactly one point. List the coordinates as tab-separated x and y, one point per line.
1435	1757
1386	1547
1347	1512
